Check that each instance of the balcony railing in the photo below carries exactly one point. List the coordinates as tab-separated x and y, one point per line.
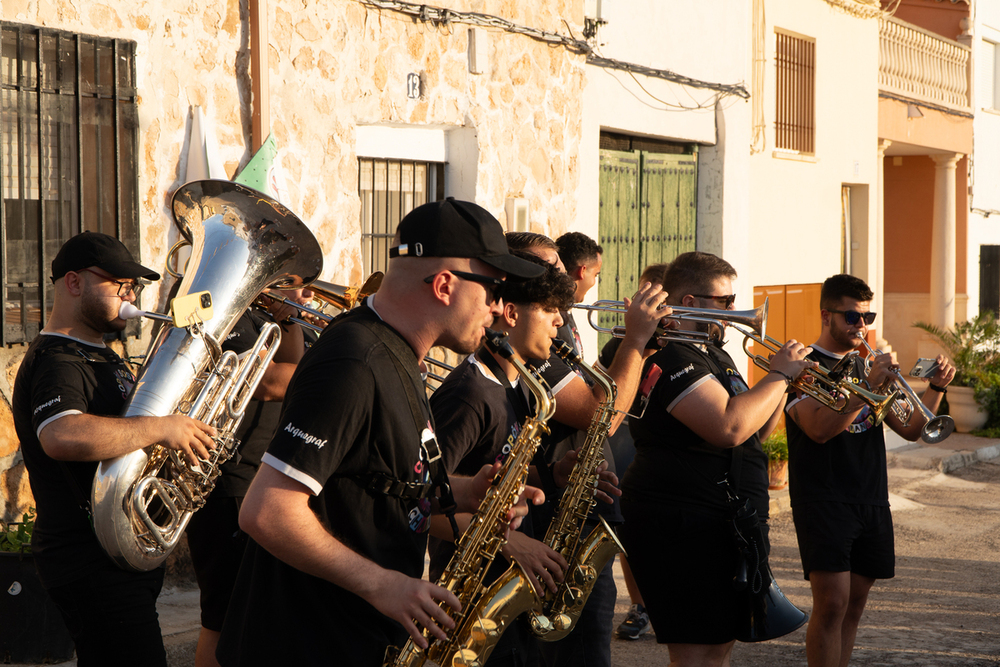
919	65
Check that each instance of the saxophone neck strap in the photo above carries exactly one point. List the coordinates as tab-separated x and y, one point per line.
405	362
516	398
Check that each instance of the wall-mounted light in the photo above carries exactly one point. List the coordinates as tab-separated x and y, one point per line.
913	111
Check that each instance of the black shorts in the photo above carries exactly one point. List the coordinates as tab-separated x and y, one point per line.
684	562
217	545
844	537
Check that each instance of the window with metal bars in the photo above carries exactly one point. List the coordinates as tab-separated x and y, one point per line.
69	122
795	114
390	189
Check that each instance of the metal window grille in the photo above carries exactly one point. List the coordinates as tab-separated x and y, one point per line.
795	115
390	189
69	122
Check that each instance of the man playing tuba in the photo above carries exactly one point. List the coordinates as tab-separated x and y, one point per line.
68	393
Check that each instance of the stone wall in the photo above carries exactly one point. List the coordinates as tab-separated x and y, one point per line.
333	64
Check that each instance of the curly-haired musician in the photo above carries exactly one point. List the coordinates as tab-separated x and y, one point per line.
479	410
576	402
838	482
339	510
68	394
699	417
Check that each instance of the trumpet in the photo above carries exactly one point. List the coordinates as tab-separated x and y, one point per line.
339	296
716	320
828	386
936	428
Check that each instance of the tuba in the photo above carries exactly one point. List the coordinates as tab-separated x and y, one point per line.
242	242
559	611
486	612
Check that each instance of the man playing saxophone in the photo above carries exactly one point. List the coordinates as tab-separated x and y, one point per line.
68	394
338	512
479	410
838	481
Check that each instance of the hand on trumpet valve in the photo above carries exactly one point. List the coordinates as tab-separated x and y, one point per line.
882	369
644	311
790	360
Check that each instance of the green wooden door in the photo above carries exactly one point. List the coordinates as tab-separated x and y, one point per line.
648	215
618	226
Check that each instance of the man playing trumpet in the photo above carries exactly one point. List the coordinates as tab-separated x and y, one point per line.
701	427
837	476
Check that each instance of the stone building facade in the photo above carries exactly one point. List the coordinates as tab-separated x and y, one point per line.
512	130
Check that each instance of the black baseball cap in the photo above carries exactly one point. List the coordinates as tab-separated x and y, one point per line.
105	252
453	228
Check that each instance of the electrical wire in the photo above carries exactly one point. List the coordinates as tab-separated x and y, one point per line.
926	105
441	16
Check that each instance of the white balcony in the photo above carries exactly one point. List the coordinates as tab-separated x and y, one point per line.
918	65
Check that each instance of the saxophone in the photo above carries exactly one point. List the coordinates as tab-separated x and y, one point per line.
558	612
486	613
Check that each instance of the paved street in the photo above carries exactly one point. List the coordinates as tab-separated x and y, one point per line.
942	609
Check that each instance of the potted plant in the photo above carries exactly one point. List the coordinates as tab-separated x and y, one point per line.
776	448
974	347
31	628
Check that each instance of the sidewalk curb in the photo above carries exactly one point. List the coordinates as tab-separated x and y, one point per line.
936	458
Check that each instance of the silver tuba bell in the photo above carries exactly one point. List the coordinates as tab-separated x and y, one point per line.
242	241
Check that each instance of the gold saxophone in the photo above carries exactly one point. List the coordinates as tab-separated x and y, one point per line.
558	612
486	613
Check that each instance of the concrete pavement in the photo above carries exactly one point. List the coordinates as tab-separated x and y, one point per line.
178	605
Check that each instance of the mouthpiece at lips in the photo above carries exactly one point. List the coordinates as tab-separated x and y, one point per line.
128	311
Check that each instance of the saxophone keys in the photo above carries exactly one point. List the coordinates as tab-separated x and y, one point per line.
541	625
484	630
561	622
466	658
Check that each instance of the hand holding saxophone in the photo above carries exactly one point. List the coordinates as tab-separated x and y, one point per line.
538	560
470	491
415	604
607	481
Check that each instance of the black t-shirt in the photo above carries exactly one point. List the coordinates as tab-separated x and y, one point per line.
476	426
260	420
672	463
848	468
346	415
61	376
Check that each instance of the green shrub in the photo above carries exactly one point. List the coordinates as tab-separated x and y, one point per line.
16	536
776	445
974	347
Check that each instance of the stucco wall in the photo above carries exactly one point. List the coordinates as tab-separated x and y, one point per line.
795	207
333	66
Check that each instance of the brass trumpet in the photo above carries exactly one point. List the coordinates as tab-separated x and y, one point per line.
339	296
829	387
716	320
936	428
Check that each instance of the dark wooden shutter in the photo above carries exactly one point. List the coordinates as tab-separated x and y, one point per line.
989	278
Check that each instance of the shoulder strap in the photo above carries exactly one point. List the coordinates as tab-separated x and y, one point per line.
406	363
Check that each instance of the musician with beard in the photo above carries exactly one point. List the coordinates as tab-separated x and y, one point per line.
339	509
67	396
838	481
699	434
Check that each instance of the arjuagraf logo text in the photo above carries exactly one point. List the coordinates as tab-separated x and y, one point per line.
309	439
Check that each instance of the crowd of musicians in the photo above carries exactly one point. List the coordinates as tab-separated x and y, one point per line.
311	548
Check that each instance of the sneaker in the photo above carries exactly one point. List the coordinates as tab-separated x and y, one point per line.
635	624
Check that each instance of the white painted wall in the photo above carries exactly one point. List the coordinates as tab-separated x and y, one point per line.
795	209
984	177
708	41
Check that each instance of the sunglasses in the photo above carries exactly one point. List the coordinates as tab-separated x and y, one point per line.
124	288
853	316
494	286
726	301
